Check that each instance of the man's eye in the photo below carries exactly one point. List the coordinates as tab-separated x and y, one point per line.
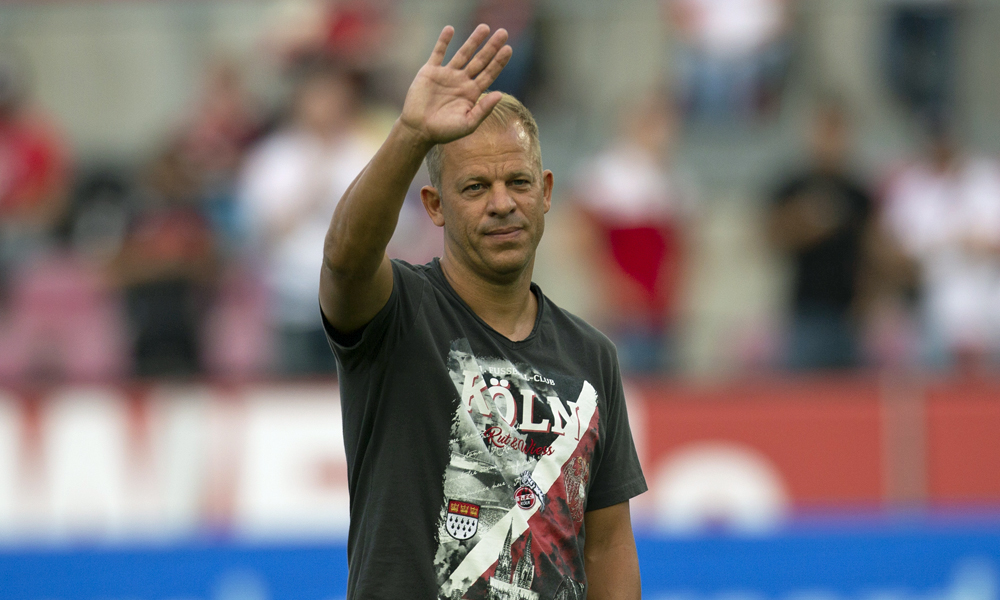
475	187
520	182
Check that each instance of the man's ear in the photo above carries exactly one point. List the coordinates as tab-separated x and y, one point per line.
432	204
548	181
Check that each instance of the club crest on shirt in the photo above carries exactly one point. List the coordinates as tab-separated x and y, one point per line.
463	519
524	497
527	492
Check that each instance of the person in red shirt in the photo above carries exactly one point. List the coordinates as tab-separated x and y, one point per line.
637	208
34	171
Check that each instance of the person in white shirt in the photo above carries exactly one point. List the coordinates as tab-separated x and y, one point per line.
944	213
291	184
731	55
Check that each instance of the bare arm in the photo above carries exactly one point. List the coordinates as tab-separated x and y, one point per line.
799	224
442	105
610	558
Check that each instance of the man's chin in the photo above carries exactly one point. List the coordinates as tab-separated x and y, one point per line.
507	264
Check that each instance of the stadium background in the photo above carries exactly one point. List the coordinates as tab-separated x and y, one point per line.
881	482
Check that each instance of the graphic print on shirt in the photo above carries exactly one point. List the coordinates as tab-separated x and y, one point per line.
515	488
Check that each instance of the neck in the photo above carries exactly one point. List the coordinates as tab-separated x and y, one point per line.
506	305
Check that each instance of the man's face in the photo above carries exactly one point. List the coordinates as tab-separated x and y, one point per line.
492	201
323	104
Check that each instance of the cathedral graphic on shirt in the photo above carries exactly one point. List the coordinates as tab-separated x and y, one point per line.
513	584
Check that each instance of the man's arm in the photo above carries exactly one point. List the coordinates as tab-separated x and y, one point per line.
801	222
610	558
442	105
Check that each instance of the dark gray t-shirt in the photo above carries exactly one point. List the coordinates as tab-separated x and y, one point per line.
471	458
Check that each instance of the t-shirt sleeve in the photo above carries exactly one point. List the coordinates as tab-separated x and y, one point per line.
618	476
386	327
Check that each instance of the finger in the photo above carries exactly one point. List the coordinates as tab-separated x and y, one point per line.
469	47
484	56
484	107
488	75
437	55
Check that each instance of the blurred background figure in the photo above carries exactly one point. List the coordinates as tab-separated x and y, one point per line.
59	320
820	216
732	56
943	212
355	34
290	186
637	209
921	47
34	170
520	18
166	269
416	239
214	138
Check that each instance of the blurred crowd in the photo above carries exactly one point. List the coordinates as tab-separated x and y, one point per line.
203	259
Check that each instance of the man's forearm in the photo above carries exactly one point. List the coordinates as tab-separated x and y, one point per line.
366	216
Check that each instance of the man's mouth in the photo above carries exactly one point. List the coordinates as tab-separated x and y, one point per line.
504	232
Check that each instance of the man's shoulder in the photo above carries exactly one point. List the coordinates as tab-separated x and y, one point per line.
413	281
407	272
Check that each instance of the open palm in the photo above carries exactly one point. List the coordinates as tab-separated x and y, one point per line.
443	102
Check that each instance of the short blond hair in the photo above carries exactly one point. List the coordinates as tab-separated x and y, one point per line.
505	113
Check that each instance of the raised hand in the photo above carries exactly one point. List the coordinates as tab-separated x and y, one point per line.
443	102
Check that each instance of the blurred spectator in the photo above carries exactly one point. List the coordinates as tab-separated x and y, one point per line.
291	184
34	171
62	318
920	54
820	217
638	209
354	34
416	239
943	211
214	139
98	215
731	57
351	32
520	19
62	321
59	319
165	268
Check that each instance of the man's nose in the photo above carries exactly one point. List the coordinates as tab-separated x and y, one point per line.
501	203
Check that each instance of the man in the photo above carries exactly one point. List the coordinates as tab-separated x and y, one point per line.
821	220
488	448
